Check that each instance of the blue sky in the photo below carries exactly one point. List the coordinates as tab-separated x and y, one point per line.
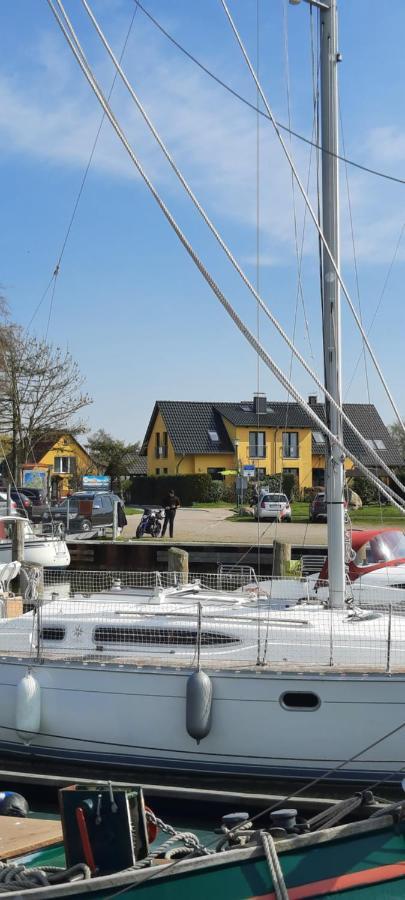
129	303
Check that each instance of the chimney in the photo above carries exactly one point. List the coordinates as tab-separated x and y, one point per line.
259	403
312	400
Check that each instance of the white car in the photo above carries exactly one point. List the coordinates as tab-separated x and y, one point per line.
3	505
273	506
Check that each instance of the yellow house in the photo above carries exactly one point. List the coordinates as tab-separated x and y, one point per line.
258	437
61	461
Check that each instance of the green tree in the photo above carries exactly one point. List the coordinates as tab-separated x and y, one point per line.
111	455
399	438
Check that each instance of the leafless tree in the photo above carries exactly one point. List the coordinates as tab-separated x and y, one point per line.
41	391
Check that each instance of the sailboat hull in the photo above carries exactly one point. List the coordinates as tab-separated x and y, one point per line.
136	717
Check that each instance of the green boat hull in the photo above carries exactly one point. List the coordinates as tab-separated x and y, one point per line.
318	862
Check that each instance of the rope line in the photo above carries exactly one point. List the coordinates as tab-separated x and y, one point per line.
314	217
80	57
370	450
262	112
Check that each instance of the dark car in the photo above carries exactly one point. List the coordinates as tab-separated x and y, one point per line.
36	495
318	510
22	501
85	511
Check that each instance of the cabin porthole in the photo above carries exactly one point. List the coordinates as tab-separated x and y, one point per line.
300	701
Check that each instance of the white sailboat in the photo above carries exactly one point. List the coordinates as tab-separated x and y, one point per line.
203	681
49	551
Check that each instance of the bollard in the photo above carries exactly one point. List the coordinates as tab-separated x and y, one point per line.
177	561
281	556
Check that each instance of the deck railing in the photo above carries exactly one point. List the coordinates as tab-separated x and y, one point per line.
279	624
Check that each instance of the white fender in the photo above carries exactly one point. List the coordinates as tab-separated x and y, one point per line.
28	707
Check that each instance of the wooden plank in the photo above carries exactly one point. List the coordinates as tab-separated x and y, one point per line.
21	836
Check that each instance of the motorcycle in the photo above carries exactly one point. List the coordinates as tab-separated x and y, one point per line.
151	523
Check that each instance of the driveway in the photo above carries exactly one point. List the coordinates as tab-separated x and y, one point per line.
213	526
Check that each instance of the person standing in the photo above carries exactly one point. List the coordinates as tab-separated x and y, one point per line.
171	503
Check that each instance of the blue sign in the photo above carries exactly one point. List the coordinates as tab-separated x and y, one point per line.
96	482
249	471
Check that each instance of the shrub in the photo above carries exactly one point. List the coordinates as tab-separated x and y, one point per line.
366	491
216	491
153	489
229	492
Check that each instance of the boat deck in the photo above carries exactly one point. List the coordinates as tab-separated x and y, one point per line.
135	663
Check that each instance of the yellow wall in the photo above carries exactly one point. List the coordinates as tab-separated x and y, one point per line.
161	463
66	445
273	462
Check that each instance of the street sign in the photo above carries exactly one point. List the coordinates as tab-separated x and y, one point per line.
249	471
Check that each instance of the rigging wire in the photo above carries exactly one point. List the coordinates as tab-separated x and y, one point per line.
262	112
258	223
81	188
380	299
356	269
270	363
312	212
214	230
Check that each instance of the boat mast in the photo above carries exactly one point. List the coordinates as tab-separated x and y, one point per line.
334	462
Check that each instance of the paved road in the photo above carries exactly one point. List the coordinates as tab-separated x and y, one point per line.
214	526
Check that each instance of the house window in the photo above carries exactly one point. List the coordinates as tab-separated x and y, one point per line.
260	473
318	437
157	471
64	465
290	444
318	478
375	443
257	444
213	436
164	471
161	445
215	473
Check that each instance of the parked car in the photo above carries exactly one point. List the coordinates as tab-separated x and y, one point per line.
273	506
318	508
318	511
85	511
3	504
21	500
36	495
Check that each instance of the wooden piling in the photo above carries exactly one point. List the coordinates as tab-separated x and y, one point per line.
177	561
281	557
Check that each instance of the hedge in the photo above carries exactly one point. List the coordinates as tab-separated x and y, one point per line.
154	488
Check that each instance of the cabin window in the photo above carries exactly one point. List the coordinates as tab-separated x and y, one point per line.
300	700
163	636
53	633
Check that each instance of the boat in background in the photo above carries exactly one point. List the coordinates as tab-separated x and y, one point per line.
49	551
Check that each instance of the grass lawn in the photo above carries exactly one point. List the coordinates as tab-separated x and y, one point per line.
368	515
376	515
130	510
219	504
